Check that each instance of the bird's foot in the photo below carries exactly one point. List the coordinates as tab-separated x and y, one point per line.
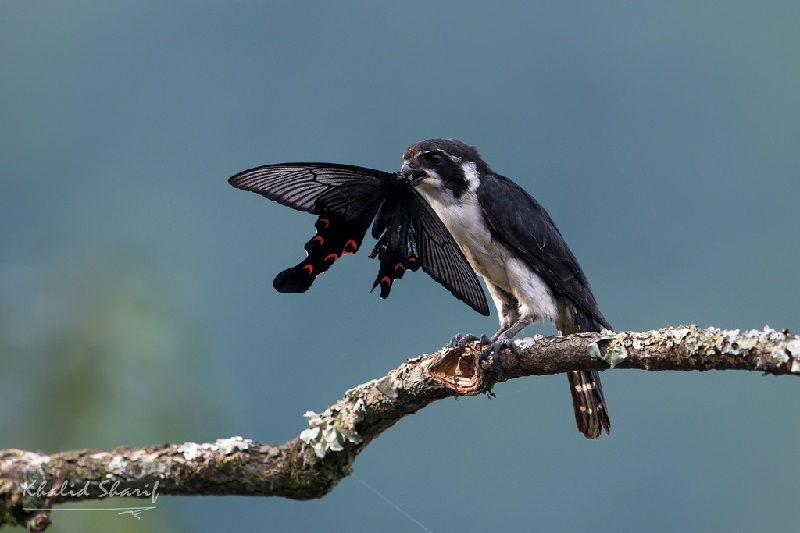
461	340
494	350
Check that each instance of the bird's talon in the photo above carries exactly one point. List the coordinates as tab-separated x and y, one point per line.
507	343
460	340
494	350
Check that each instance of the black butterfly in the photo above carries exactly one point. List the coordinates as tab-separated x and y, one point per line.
347	199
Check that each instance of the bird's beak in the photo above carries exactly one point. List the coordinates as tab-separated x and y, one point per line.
411	174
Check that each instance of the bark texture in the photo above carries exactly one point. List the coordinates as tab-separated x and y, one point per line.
311	465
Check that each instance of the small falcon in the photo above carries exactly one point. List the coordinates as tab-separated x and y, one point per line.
511	241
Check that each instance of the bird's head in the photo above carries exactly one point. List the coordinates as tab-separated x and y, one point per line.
443	167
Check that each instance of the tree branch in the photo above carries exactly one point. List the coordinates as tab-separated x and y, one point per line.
311	465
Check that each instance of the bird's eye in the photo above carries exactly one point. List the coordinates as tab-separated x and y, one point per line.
434	158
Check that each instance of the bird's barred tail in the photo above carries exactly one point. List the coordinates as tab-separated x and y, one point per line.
588	402
591	411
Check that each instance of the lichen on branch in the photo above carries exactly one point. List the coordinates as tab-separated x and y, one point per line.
311	465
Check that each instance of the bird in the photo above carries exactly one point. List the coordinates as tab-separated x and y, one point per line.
512	242
448	212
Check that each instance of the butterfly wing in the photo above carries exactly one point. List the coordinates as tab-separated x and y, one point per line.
410	235
312	187
346	199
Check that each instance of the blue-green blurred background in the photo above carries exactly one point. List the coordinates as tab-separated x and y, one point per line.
136	303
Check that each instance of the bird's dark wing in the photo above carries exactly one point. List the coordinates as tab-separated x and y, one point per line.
508	208
345	197
410	235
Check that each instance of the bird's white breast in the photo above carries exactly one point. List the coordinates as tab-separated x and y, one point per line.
497	263
465	222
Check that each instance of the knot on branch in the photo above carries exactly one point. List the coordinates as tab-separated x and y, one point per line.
467	373
459	371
